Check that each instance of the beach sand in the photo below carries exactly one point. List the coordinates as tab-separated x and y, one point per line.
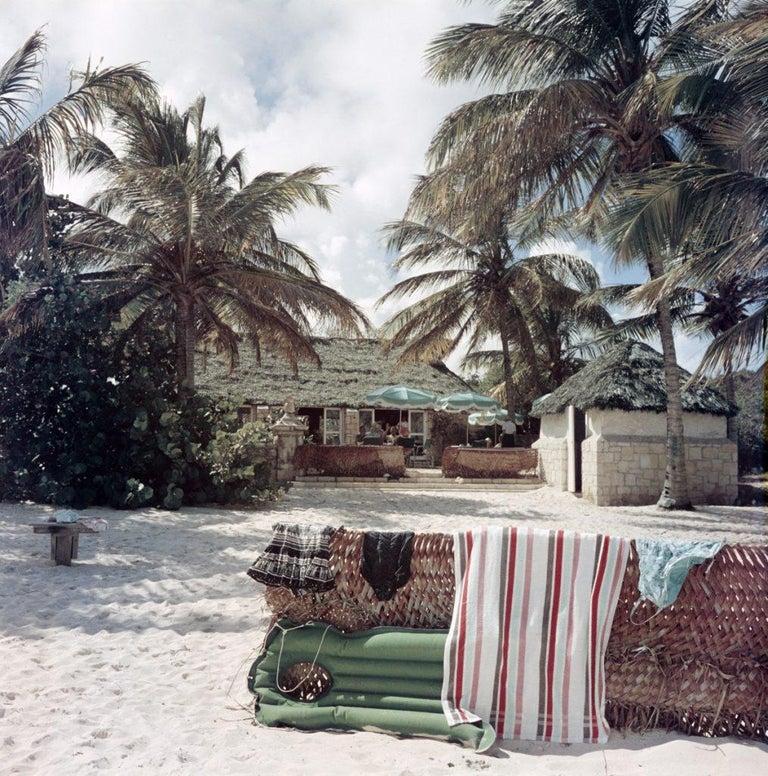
134	659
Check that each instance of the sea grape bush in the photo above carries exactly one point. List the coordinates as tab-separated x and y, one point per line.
87	419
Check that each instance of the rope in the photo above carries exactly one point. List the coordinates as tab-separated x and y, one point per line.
280	657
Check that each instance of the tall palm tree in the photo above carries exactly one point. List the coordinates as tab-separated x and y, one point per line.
566	332
31	141
590	92
177	229
476	288
714	310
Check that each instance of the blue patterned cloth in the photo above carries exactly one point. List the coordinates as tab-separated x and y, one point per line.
664	566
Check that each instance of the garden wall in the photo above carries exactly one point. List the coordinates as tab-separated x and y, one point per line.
501	463
350	460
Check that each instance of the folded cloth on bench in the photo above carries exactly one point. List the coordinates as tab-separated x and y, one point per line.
531	620
297	557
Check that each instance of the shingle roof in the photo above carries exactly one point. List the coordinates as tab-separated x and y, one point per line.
629	376
350	369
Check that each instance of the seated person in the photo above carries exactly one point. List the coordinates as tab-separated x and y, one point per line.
362	431
405	439
374	436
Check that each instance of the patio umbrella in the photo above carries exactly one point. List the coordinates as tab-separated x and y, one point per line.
467	401
491	417
401	396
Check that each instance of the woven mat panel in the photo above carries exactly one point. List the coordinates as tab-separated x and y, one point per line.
694	697
425	601
721	611
700	666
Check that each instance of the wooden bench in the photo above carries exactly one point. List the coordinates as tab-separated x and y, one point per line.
65	538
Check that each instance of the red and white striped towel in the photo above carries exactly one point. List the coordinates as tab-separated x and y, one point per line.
531	621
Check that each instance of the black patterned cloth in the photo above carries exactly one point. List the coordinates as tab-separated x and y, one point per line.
386	561
297	557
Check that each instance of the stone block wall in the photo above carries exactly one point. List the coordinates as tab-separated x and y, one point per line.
624	470
553	461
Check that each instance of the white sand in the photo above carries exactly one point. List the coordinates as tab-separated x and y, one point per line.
124	661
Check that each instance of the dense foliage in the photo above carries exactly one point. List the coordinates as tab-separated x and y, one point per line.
752	431
85	421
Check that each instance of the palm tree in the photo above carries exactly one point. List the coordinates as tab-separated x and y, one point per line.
715	310
32	141
177	230
566	332
591	92
483	287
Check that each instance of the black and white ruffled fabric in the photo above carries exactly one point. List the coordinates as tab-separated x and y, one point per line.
297	557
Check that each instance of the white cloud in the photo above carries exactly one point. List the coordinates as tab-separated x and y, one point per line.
334	82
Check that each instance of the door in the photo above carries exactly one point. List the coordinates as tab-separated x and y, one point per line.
417	426
576	435
331	426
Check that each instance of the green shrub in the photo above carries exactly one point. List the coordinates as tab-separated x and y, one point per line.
241	463
85	420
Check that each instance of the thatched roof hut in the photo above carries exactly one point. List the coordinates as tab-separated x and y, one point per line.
630	377
350	369
603	432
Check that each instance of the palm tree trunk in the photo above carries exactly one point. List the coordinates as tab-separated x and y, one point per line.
525	341
507	365
675	492
185	344
730	393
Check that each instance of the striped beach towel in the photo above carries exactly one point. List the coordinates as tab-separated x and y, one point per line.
531	620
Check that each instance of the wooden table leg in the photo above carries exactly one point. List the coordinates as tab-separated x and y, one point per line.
63	548
75	543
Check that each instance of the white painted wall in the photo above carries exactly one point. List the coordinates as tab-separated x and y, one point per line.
619	422
554	426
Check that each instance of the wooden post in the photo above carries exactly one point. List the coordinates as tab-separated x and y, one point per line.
62	547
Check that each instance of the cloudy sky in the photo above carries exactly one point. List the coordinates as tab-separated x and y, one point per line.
294	82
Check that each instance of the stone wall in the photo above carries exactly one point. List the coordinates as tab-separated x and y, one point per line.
552	447
553	461
629	469
645	424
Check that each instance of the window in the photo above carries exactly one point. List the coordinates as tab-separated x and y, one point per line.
331	426
417	426
366	418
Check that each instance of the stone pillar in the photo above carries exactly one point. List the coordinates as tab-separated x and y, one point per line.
290	431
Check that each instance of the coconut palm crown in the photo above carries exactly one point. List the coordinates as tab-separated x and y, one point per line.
589	93
476	288
178	230
33	140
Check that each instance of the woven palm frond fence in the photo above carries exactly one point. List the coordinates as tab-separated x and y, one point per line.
699	666
350	460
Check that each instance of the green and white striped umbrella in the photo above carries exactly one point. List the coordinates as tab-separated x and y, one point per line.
401	396
491	417
466	402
